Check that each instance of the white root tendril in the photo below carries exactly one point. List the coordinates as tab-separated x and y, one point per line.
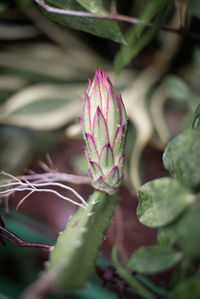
36	182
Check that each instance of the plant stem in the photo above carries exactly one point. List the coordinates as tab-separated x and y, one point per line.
130	279
5	233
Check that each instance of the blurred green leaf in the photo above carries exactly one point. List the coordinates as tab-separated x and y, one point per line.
176	88
43	107
153	259
167	234
196	57
95	6
161	201
187	289
80	164
100	27
93	291
188	232
181	158
3	7
27	228
195	123
16	148
9	289
23	3
194	5
140	35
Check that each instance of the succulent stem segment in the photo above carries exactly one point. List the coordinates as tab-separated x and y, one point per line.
104	129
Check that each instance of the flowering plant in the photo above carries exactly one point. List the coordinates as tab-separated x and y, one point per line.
104	129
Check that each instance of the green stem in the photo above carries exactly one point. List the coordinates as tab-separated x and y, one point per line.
139	288
76	249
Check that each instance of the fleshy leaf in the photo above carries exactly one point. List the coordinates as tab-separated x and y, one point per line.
153	259
181	158
186	289
188	232
161	201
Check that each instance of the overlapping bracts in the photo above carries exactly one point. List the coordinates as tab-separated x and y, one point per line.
104	129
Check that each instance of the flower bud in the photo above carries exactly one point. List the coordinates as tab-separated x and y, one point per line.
104	129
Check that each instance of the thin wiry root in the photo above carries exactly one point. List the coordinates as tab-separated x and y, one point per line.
36	183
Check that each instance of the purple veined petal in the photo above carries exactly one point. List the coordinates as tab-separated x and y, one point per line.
81	123
87	114
118	143
104	80
113	176
100	130
121	161
100	183
113	116
92	150
89	85
108	104
95	170
119	135
123	117
90	174
86	153
96	79
106	159
100	180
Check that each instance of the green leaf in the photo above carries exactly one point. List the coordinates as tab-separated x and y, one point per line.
161	201
195	123
76	250
94	6
100	27
3	7
130	279
194	5
181	158
187	289
23	3
140	35
153	259
167	234
188	233
176	88
43	107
